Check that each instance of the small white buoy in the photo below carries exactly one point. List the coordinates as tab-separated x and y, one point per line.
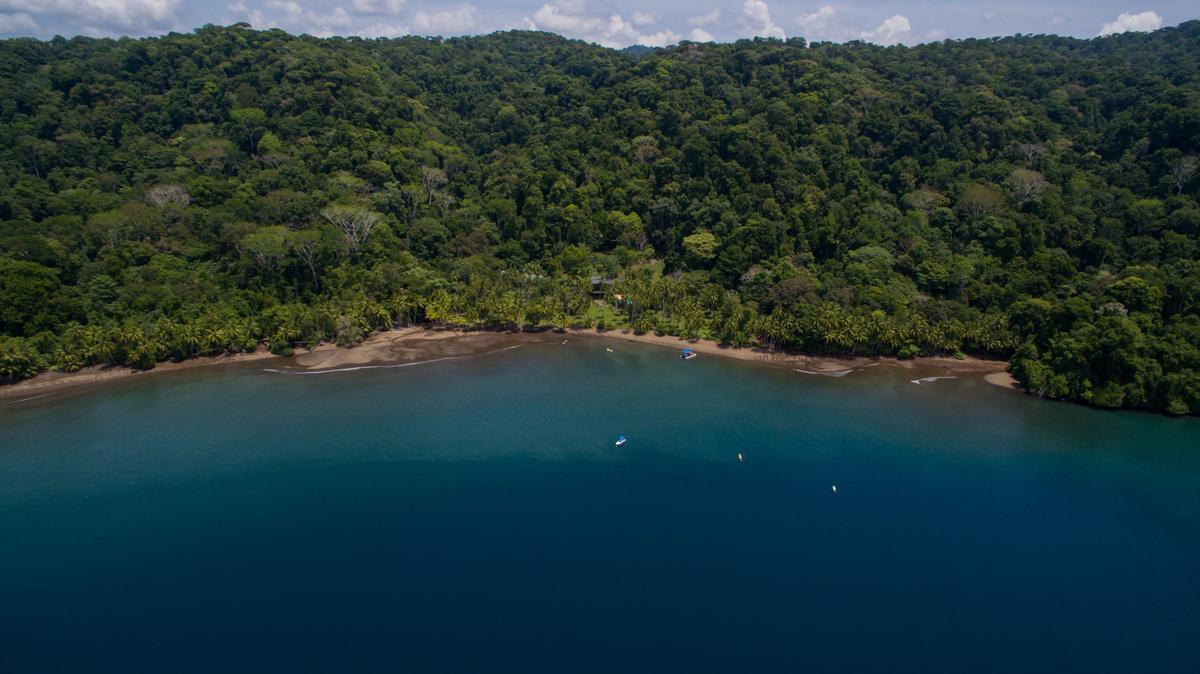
608	349
739	456
835	488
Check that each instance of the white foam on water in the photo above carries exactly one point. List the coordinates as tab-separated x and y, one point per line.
926	380
359	367
383	367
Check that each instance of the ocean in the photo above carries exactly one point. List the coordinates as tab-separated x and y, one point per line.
473	514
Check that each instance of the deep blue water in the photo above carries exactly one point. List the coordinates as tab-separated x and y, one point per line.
473	515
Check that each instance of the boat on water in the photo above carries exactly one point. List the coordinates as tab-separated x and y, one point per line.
620	440
687	354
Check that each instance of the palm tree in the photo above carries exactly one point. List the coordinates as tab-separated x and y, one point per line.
17	359
74	333
404	308
65	360
437	307
143	356
372	315
189	339
129	338
98	347
214	339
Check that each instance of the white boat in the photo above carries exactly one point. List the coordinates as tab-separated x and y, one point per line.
620	440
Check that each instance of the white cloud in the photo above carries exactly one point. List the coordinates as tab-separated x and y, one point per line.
243	12
700	35
705	19
820	17
293	16
571	18
383	30
660	39
21	22
448	22
756	18
378	7
644	18
1126	23
935	35
891	31
566	16
618	28
817	24
130	15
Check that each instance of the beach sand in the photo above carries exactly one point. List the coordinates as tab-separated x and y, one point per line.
407	345
412	344
52	381
820	365
402	345
1002	379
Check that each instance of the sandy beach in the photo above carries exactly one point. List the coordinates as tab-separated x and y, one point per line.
821	365
52	381
407	345
412	344
403	345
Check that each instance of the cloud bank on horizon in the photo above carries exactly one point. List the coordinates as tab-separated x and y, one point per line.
612	23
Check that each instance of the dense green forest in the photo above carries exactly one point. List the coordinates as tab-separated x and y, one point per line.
1032	197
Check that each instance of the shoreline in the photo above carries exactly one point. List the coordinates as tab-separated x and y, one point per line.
813	364
413	344
401	345
51	381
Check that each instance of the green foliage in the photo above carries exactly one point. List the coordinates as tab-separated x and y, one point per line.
18	359
26	289
1027	197
700	247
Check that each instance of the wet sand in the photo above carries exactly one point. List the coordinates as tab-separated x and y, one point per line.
1002	379
402	345
816	365
412	344
408	345
52	381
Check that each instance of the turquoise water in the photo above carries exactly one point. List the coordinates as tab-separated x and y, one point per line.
474	515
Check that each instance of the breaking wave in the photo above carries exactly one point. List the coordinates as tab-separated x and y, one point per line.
360	367
383	367
833	373
926	380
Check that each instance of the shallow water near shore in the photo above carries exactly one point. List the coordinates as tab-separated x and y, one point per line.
473	514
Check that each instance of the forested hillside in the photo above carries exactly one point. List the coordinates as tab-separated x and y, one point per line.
1032	198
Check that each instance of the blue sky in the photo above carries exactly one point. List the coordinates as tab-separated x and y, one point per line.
608	22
